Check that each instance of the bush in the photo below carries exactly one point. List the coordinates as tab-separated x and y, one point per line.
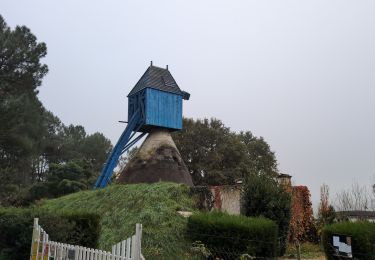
263	196
362	234
228	236
16	227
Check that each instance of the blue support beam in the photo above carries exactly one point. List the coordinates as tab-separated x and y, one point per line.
123	144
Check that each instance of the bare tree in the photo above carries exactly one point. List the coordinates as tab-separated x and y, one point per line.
356	198
326	212
324	198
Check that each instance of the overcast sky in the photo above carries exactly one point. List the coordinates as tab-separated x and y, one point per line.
299	73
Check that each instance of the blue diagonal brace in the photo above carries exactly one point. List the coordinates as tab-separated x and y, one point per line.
130	144
105	176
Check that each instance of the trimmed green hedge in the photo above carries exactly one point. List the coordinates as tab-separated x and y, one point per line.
229	236
16	230
363	238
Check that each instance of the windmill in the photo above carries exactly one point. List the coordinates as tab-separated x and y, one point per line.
154	104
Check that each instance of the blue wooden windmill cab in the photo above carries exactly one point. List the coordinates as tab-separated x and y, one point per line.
154	102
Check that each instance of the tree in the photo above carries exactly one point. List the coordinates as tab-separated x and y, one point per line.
63	179
33	142
355	198
48	146
73	138
21	117
326	212
259	157
263	196
95	148
215	155
20	68
302	224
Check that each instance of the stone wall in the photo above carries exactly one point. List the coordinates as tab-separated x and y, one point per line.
227	198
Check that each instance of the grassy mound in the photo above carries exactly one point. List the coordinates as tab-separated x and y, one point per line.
122	206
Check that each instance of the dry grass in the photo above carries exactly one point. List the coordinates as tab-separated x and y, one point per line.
308	251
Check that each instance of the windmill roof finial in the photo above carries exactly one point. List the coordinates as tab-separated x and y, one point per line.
151	63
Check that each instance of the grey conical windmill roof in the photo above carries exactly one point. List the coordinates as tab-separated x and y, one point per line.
157	78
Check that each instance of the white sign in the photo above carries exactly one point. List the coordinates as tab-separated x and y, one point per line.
343	244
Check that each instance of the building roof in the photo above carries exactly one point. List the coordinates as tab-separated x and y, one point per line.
158	78
361	214
283	175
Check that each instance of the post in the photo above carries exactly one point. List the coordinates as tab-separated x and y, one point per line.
138	238
43	243
76	252
35	241
61	250
47	247
298	246
128	242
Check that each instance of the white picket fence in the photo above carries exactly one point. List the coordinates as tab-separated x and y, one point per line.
44	249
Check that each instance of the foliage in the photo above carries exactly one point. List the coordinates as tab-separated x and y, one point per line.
62	179
21	117
20	60
198	248
73	173
122	206
302	225
215	155
203	197
16	230
362	235
263	196
229	236
32	139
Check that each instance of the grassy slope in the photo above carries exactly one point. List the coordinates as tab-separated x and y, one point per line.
122	206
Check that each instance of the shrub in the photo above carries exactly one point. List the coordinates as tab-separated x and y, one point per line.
263	196
16	230
202	197
229	236
362	234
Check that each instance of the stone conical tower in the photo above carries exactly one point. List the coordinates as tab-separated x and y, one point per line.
158	159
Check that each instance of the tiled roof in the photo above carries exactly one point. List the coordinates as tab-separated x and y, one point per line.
157	78
356	213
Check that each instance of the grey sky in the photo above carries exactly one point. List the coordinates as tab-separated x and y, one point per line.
299	73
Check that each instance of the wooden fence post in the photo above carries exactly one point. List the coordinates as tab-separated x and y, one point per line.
34	241
137	242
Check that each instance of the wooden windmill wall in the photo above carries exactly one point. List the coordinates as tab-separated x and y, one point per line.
160	101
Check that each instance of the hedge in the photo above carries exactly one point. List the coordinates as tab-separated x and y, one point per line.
229	236
16	230
362	234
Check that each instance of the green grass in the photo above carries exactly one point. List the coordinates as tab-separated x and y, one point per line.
122	206
308	251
